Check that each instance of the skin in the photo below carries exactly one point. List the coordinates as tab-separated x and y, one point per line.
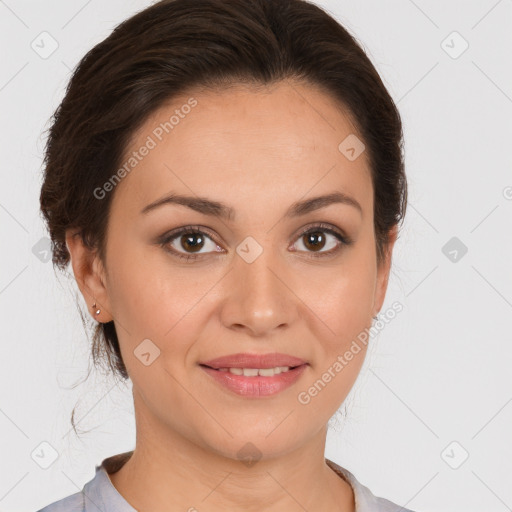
257	150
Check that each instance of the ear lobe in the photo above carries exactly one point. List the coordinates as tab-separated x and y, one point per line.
383	271
89	275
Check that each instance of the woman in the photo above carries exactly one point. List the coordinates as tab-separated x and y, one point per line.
226	178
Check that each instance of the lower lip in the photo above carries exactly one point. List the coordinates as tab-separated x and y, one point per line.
256	386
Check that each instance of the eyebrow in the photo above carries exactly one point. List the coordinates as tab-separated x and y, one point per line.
217	209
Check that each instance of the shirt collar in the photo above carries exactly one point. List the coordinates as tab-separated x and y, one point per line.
100	493
364	499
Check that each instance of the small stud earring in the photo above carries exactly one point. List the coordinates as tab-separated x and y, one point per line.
94	307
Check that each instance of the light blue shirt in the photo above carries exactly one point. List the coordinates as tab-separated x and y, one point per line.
100	495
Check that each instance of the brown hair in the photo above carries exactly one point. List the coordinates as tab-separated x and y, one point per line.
175	45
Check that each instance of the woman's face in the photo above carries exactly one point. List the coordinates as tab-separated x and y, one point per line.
257	283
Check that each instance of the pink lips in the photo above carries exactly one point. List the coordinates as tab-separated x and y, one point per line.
246	360
257	386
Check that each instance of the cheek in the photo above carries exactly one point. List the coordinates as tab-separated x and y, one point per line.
344	306
151	298
138	294
344	296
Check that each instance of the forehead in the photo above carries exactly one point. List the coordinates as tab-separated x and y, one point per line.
244	143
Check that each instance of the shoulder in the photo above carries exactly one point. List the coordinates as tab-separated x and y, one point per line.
72	503
365	500
384	505
89	499
98	494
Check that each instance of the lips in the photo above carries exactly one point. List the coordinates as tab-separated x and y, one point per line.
255	387
246	360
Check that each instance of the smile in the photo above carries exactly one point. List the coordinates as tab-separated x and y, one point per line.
256	382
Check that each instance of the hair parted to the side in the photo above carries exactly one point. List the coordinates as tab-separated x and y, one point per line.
175	45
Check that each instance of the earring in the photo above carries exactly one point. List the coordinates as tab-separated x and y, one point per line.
94	307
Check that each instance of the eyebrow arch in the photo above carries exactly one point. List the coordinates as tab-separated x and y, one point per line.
217	209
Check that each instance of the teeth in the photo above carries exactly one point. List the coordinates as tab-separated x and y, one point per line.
253	372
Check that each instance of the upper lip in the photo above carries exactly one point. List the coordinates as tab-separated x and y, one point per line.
254	361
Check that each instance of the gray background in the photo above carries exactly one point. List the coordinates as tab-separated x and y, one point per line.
436	385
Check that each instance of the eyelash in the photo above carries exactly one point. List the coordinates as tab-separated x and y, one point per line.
169	237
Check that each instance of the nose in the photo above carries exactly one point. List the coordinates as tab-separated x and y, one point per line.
260	298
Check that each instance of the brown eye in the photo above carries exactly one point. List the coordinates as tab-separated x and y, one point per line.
192	241
188	242
315	239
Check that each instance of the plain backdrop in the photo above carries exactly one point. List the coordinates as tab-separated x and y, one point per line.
429	419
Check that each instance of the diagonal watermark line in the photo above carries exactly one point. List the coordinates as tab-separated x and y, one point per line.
424	218
14	424
83	491
286	491
301	301
404	403
418	82
407	502
484	218
13	279
213	490
66	65
99	304
305	99
280	423
191	191
14	218
97	402
485	15
488	282
194	305
508	508
492	418
76	14
14	76
3	3
11	489
304	195
407	294
199	403
425	14
492	81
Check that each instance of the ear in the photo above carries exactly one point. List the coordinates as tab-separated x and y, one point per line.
383	271
90	276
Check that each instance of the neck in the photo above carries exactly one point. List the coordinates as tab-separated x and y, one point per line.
182	472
